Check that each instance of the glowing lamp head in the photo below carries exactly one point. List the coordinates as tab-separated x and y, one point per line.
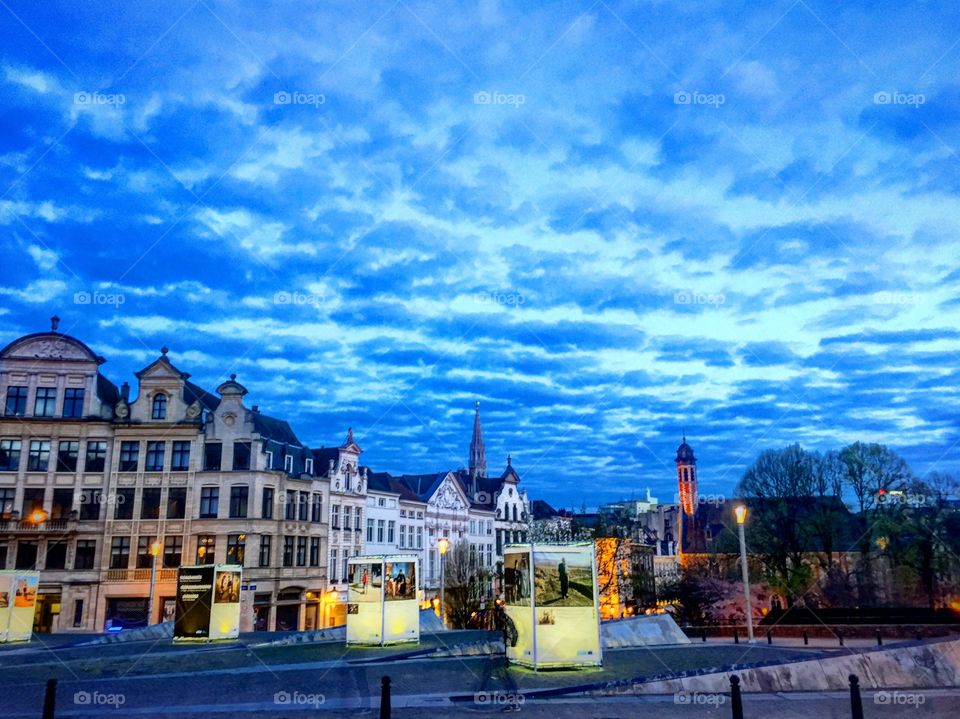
741	513
442	544
155	548
38	515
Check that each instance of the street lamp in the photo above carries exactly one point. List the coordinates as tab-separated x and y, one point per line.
741	514
154	551
442	544
37	516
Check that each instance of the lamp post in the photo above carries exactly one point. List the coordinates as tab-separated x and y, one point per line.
154	551
442	544
741	514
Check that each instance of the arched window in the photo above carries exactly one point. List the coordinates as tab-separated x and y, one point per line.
159	406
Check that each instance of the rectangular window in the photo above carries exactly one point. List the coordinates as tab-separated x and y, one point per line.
96	457
62	503
150	503
308	466
7	499
86	554
172	551
56	554
176	502
346	517
120	553
316	508
212	456
335	516
123	504
288	551
67	452
391	531
333	566
209	502
314	551
301	551
345	566
489	526
32	502
129	456
290	506
90	503
46	402
358	518
26	554
155	453
419	537
9	455
266	505
77	612
236	548
39	458
473	526
265	550
241	455
73	402
403	537
380	525
144	555
206	549
303	509
369	529
180	459
16	405
268	459
3	554
238	501
288	463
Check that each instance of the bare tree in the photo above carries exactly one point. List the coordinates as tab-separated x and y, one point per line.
467	583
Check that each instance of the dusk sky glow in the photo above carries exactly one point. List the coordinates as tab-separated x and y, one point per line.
606	221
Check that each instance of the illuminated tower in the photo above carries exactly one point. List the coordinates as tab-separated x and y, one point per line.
478	455
687	477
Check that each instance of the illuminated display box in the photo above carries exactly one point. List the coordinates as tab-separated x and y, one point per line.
208	602
18	599
382	601
550	595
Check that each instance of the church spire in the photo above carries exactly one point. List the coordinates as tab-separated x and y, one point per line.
478	456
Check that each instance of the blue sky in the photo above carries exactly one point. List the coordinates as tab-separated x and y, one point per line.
606	221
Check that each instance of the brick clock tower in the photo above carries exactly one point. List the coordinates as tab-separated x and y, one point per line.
687	477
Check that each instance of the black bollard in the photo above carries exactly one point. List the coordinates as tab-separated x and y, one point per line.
856	705
703	635
918	635
50	699
736	636
840	637
735	701
879	639
769	637
806	639
385	698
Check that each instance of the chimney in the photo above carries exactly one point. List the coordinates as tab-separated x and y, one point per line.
125	392
54	323
256	408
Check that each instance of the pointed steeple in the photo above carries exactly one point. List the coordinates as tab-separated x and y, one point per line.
478	455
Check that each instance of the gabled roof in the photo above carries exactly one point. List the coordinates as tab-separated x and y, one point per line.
107	391
164	362
192	393
423	485
57	337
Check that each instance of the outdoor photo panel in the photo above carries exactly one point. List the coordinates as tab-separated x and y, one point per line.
194	600
401	611
18	597
518	580
565	599
225	613
365	600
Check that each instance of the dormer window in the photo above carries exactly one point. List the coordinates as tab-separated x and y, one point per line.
308	466
288	463
159	406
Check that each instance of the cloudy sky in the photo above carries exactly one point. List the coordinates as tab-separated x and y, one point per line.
606	221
